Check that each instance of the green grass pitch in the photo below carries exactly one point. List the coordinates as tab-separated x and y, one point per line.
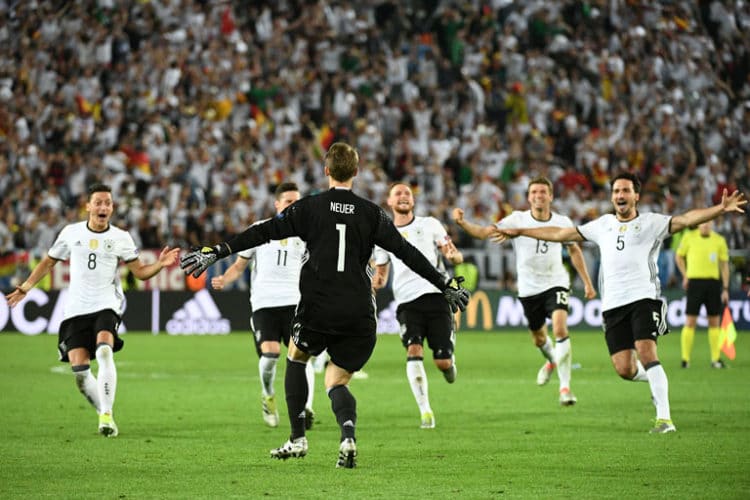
188	409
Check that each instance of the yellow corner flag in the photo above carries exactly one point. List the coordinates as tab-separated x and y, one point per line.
728	334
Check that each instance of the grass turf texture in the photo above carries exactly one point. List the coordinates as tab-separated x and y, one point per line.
190	423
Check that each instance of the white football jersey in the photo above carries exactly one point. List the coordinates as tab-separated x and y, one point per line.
428	235
94	260
274	272
539	264
628	253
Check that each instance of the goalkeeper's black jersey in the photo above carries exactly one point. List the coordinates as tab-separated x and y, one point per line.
340	229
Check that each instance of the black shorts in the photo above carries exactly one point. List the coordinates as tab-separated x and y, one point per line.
640	320
703	292
80	331
428	317
272	324
538	308
346	351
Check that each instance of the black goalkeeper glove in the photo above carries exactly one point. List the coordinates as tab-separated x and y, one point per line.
457	296
198	259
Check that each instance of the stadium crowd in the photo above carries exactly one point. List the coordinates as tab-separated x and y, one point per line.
194	111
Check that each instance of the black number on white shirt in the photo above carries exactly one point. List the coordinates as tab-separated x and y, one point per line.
281	257
620	241
92	261
541	246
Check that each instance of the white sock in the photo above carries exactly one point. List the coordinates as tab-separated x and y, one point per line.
546	350
106	378
657	380
87	384
640	375
267	369
418	382
563	357
310	372
320	362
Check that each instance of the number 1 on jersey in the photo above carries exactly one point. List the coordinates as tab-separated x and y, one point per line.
341	228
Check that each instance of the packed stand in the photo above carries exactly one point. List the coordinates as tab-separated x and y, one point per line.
195	110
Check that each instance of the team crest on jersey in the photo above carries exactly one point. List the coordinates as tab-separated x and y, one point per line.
284	242
637	228
109	245
93	244
623	229
405	234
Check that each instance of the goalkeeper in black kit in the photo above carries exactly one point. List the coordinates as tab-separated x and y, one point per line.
337	306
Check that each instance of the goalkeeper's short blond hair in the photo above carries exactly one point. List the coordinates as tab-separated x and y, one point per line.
342	161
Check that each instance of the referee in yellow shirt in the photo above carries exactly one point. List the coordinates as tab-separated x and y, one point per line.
703	260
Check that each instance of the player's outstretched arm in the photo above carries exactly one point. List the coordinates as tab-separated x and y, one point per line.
39	272
473	230
729	204
197	260
548	233
142	271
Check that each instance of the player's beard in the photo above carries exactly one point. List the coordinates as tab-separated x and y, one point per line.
401	210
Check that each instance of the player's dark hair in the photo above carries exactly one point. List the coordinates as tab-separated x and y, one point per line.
99	188
628	177
342	160
285	187
540	179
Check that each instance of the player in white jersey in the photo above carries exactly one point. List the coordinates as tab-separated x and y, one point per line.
543	280
274	294
95	298
632	309
422	312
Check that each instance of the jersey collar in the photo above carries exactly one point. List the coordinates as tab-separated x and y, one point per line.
637	214
95	231
531	212
413	218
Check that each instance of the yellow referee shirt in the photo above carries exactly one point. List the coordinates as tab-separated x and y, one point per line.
703	254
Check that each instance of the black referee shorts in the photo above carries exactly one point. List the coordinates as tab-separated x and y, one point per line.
703	292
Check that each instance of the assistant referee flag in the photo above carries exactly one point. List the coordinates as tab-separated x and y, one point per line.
728	334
